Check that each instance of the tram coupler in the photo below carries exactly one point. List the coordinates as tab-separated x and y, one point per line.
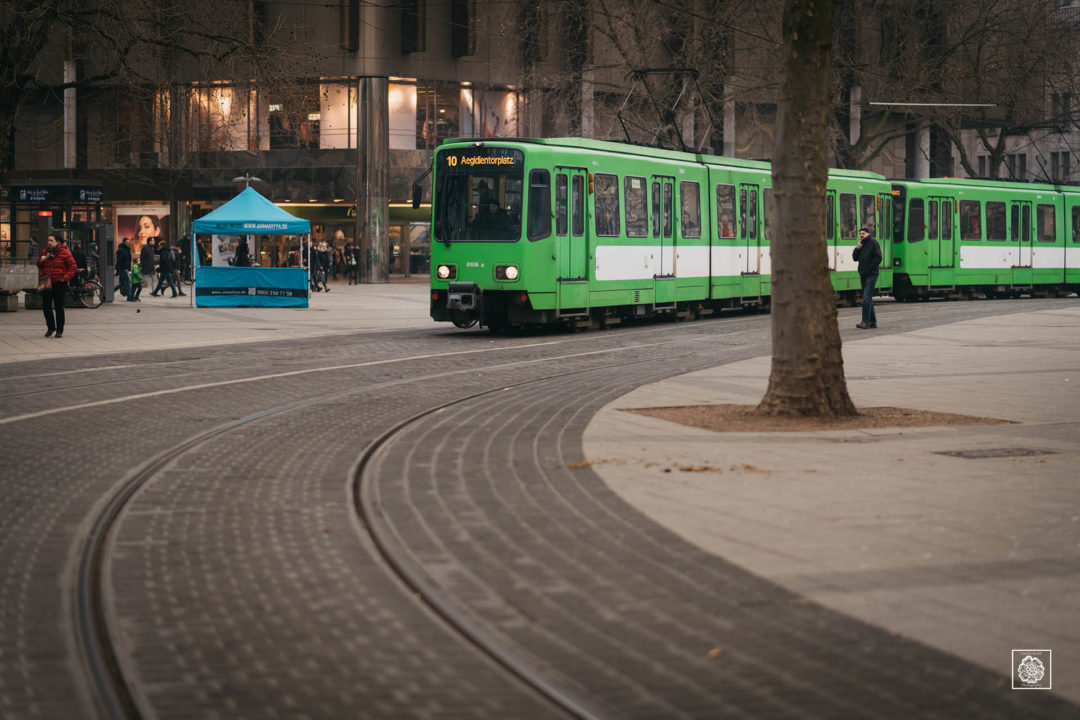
463	296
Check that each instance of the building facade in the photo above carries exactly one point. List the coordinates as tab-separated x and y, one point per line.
356	94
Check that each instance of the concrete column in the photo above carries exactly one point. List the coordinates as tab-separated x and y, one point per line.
729	123
372	178
855	114
588	112
70	117
922	152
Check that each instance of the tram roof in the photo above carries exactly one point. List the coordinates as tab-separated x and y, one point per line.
652	152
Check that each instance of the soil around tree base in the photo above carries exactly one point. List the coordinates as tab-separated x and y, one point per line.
746	418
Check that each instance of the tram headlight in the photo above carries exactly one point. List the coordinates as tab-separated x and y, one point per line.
506	272
446	272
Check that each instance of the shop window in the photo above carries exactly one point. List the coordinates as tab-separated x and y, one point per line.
294	119
637	214
401	102
725	211
690	203
438	113
606	198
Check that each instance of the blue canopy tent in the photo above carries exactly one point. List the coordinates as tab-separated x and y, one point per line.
249	213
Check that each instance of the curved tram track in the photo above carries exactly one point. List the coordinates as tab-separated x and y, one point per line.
551	580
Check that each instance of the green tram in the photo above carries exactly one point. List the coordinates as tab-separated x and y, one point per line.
961	238
582	232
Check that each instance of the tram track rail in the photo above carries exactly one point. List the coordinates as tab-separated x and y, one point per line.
111	688
95	638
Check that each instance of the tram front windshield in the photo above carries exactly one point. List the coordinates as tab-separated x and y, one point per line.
478	195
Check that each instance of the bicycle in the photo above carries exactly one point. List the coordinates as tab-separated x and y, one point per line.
86	291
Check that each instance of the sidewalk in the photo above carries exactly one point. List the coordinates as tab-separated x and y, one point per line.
974	556
164	323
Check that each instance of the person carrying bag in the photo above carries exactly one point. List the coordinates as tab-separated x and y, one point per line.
57	267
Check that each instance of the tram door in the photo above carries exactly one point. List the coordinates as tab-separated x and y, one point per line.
571	246
663	204
749	239
939	232
1020	238
830	228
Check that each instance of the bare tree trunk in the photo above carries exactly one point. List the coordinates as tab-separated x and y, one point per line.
807	368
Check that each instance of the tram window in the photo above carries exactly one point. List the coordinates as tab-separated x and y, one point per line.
1076	224
867	208
830	217
946	220
753	213
916	221
1015	223
637	211
539	222
606	197
1044	214
770	210
849	219
577	215
725	210
886	213
656	209
995	221
932	221
690	204
742	213
562	205
970	227
668	202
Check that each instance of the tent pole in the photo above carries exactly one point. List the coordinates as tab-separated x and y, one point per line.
193	261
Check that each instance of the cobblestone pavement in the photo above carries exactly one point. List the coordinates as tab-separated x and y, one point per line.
240	582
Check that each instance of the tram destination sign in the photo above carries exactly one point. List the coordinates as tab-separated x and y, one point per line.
490	158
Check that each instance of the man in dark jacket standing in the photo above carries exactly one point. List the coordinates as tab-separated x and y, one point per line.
868	254
123	268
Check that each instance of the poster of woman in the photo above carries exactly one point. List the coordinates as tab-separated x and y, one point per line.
138	224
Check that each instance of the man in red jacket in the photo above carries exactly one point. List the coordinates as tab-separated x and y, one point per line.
58	265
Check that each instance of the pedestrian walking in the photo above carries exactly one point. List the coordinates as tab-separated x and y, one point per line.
868	254
123	268
147	260
323	260
136	281
165	268
177	258
352	262
57	268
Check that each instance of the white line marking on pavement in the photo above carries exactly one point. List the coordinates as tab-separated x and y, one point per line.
203	386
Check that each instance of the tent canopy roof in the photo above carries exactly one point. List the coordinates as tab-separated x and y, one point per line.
249	213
